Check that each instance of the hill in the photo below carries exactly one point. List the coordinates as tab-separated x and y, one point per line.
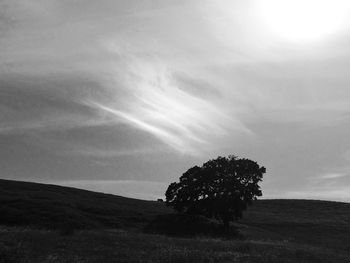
50	206
271	230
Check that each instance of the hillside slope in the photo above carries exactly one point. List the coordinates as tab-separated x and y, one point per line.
320	223
50	206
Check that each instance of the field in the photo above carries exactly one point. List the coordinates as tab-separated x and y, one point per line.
47	223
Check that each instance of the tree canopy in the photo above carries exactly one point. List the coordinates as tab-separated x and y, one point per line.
221	188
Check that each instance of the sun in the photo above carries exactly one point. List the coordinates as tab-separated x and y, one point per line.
304	20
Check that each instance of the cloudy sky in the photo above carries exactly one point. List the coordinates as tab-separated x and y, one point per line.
125	96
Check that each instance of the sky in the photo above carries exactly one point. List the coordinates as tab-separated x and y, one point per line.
124	96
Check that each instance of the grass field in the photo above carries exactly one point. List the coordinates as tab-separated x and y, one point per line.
109	228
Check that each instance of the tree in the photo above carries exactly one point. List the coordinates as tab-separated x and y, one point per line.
222	188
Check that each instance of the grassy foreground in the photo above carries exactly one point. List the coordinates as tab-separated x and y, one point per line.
21	245
109	228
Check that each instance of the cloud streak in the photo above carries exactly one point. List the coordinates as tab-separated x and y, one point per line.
158	106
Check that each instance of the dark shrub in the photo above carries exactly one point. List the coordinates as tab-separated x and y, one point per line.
187	225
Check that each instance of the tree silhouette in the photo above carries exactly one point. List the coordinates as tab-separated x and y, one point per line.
222	188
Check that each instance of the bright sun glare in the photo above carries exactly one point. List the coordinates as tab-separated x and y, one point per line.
304	20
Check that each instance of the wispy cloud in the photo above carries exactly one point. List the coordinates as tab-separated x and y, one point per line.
333	175
103	153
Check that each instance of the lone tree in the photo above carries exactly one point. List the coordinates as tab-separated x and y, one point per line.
222	188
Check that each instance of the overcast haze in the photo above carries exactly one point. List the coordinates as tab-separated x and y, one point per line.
125	96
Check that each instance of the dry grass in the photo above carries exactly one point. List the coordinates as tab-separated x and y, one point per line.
31	246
